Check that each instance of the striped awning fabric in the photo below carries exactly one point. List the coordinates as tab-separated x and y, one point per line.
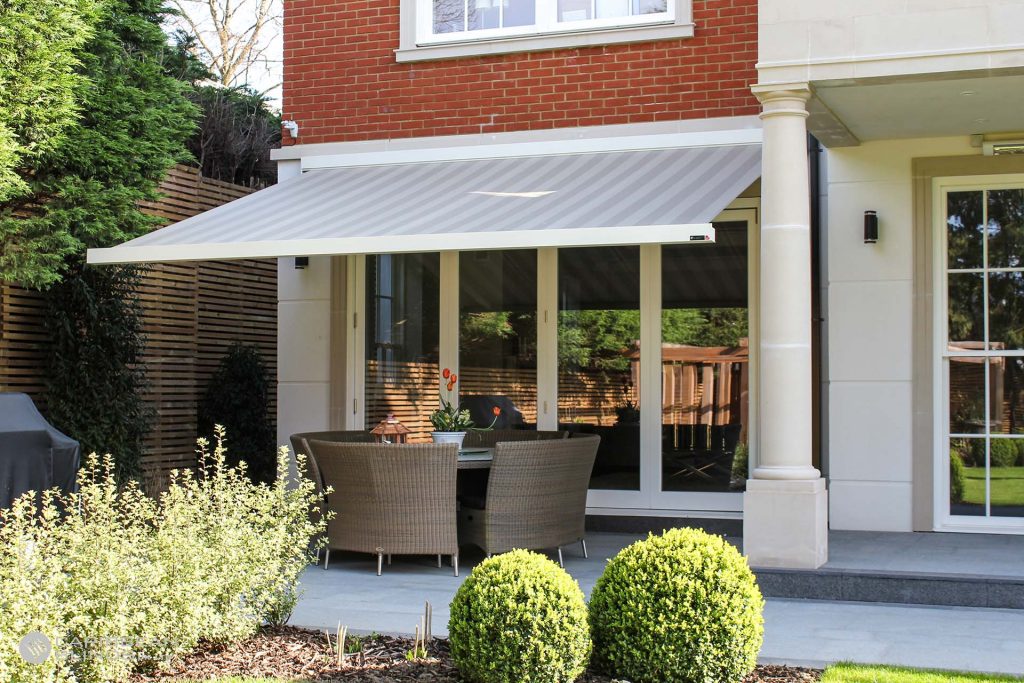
582	199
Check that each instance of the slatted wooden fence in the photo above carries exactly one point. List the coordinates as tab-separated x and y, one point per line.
192	312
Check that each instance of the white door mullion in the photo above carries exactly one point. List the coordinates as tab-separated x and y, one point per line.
355	344
547	338
650	371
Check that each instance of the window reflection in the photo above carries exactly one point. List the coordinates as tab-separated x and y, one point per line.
705	363
964	220
1006	228
498	337
986	335
402	298
599	357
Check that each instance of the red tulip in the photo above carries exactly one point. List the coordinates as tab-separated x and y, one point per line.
446	373
455	378
451	385
496	410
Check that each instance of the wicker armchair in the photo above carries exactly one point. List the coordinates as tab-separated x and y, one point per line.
489	438
300	444
391	499
536	497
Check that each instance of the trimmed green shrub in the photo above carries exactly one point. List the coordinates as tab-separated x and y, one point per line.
682	607
519	618
957	477
740	467
238	397
1002	453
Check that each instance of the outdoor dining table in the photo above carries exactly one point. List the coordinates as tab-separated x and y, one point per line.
475	458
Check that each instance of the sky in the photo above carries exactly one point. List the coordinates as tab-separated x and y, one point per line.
264	74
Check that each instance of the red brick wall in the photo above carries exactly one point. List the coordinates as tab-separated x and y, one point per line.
341	80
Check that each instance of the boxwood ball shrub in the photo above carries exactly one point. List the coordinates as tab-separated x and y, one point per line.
1003	453
957	477
682	607
519	618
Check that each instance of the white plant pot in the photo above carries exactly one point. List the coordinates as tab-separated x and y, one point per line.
448	437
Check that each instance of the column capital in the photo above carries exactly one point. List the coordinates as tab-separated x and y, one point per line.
782	100
767	92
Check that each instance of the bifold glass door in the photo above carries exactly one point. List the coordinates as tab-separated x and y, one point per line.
980	324
647	346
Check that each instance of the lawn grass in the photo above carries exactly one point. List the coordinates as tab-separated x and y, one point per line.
1007	485
854	673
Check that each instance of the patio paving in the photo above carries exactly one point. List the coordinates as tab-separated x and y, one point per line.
802	632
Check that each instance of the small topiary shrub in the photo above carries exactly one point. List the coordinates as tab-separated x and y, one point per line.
957	477
519	618
1003	453
682	607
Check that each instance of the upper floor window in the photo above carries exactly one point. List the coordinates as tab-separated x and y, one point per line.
455	20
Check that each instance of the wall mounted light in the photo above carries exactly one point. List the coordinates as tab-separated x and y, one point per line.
292	127
870	227
301	262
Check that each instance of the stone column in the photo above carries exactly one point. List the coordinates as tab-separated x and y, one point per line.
785	510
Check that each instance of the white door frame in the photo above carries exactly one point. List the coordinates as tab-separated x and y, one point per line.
944	519
649	499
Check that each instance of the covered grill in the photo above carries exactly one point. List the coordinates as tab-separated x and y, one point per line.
34	455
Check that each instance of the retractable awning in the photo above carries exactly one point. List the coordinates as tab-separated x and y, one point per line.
642	196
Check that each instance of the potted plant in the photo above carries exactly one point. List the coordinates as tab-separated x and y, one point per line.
450	421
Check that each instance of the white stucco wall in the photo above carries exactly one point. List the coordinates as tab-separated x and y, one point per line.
810	40
303	343
868	331
303	340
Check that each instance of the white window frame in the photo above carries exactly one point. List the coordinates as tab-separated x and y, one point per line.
944	519
419	43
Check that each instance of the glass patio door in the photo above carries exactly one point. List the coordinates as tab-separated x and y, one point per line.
648	346
980	325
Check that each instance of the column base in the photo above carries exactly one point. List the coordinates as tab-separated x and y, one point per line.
785	523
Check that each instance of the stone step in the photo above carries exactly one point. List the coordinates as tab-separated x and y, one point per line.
911	588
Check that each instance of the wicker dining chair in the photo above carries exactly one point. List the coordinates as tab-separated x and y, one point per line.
391	499
536	497
300	444
488	438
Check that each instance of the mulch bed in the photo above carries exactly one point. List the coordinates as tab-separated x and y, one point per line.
300	654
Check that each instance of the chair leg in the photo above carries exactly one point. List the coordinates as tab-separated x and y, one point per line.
380	562
583	542
560	563
389	559
455	563
327	557
438	561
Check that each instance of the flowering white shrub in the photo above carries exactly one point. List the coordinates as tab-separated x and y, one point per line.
121	582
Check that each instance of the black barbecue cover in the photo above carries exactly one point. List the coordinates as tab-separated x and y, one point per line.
34	456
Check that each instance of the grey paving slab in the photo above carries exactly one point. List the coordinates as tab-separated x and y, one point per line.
975	554
796	631
814	633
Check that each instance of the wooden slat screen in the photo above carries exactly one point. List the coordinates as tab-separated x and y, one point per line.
191	313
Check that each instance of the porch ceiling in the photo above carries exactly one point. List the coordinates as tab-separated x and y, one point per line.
846	112
637	196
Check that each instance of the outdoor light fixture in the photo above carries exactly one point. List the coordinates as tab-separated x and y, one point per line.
870	227
301	262
292	127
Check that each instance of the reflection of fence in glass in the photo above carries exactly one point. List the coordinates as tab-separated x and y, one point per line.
700	386
967	391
